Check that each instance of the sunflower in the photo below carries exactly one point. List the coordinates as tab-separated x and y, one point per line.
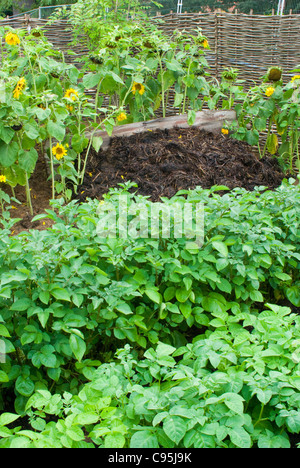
96	59
70	108
12	39
59	151
296	77
269	91
149	44
225	131
205	44
3	178
121	116
230	74
274	74
111	42
138	87
71	94
21	85
36	33
202	40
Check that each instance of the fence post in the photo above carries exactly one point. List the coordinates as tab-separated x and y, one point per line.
40	13
217	45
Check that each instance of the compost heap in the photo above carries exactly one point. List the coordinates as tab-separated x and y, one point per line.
162	162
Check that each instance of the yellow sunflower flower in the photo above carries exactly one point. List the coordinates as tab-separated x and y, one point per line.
205	44
225	131
296	77
138	87
269	91
72	94
16	93
59	151
3	178
12	39
70	108
122	116
21	85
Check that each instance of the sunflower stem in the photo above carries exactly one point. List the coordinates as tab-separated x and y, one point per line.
162	85
100	126
185	91
27	54
28	195
52	169
97	99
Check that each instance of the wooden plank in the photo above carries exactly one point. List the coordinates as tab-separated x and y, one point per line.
211	121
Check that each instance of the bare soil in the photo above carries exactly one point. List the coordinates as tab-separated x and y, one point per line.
161	162
40	196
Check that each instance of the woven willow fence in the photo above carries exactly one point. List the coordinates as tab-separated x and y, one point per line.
59	34
251	43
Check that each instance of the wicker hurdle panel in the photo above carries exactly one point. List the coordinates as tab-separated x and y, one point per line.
251	43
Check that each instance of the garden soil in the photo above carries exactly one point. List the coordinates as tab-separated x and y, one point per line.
41	192
161	162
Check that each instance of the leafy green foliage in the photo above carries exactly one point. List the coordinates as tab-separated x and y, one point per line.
144	342
273	108
160	65
127	50
42	104
233	388
71	298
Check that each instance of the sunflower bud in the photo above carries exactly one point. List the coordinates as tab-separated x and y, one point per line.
274	74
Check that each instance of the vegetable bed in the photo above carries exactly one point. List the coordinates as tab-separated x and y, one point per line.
151	342
146	341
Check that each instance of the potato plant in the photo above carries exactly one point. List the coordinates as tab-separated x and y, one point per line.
132	341
232	388
69	296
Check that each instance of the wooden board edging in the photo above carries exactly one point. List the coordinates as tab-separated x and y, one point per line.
211	121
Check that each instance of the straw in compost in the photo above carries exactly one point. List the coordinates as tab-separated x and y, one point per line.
163	162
